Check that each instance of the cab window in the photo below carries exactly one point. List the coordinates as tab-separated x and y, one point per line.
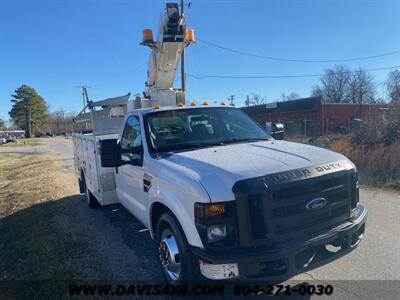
192	128
131	136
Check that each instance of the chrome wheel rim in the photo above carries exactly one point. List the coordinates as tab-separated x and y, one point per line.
170	256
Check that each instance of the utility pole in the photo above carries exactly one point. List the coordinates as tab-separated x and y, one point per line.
247	100
231	98
85	101
85	97
183	74
29	120
28	115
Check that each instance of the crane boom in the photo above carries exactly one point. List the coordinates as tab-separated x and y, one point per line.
165	54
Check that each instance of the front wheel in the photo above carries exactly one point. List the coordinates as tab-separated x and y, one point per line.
175	255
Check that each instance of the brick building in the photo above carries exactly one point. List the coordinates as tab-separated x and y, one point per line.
311	117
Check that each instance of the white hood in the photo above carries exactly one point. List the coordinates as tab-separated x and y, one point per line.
218	168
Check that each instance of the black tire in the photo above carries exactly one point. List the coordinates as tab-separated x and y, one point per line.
189	271
82	188
91	199
82	183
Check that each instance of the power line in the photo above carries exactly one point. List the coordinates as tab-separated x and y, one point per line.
200	77
296	60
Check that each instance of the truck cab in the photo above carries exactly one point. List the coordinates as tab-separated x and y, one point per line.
225	200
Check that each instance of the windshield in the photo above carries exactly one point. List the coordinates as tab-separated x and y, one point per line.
188	129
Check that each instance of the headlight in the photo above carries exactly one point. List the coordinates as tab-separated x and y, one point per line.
216	224
216	233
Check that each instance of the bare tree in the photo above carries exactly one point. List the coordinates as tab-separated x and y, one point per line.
361	88
341	85
316	91
393	86
334	84
256	99
291	96
60	122
2	124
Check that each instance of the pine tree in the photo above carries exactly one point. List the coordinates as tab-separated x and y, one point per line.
29	105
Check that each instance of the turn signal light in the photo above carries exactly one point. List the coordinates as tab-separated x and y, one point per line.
209	210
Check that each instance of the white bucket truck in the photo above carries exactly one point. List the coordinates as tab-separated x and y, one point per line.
222	198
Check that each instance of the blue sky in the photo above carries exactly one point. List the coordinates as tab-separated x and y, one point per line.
55	45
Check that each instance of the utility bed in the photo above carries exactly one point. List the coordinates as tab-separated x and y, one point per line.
102	121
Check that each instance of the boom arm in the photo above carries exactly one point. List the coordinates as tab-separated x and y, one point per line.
164	58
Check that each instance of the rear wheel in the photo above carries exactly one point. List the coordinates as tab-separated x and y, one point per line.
91	199
175	255
82	183
81	186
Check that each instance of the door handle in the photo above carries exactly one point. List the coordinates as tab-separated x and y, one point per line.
147	178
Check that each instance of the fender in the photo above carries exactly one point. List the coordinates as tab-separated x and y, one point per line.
178	192
185	218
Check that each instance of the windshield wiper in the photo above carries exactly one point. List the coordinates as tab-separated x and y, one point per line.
187	146
247	140
194	146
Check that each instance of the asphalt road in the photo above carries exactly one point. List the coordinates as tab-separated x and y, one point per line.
369	272
58	145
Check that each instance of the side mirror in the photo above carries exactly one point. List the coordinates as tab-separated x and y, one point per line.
110	153
133	157
277	131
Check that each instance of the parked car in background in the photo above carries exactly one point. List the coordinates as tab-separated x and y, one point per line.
11	138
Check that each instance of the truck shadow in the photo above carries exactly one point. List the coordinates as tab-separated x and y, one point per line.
63	240
94	244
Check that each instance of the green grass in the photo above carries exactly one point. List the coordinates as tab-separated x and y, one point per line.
31	187
23	142
393	184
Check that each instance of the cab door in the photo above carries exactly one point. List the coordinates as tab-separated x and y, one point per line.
130	176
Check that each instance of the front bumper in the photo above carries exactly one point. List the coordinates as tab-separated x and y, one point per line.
290	259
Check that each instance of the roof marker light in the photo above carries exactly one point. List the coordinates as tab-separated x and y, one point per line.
193	104
222	103
156	106
205	103
147	36
189	36
180	104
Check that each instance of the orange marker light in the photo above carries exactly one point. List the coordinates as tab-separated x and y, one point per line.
147	35
193	104
205	103
189	36
157	106
180	104
209	211
222	103
214	210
